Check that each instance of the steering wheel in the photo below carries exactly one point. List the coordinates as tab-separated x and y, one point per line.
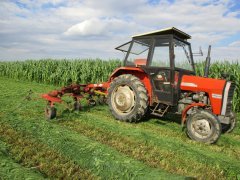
162	77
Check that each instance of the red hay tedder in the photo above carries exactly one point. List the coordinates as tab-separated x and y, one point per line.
158	76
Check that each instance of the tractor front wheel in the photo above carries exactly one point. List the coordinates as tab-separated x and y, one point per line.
127	98
203	126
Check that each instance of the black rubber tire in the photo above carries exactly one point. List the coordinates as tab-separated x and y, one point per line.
77	106
140	97
213	122
227	128
92	102
50	112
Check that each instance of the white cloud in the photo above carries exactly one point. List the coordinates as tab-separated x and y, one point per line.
94	28
100	27
235	44
88	28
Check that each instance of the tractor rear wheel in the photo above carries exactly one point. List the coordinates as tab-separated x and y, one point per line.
203	126
127	98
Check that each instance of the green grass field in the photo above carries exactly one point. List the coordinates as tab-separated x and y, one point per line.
92	145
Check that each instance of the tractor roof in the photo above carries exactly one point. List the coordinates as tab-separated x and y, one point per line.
166	31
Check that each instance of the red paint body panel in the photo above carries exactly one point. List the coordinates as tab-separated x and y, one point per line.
51	99
213	87
138	73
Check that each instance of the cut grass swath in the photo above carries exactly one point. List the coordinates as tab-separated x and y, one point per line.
101	159
34	154
9	169
157	151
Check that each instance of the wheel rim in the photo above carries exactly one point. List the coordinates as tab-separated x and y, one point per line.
123	99
202	128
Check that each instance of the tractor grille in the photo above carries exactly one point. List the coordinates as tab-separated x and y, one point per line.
230	98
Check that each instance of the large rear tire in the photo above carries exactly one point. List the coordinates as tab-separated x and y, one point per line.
127	98
203	126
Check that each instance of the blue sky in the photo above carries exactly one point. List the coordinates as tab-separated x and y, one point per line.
35	29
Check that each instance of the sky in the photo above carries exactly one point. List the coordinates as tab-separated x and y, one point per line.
37	29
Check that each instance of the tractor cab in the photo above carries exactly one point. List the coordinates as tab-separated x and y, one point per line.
165	55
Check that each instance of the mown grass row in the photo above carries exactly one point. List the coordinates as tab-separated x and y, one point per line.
33	154
100	159
10	169
145	152
229	144
63	72
159	147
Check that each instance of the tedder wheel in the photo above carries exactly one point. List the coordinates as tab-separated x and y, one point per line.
203	126
227	128
50	112
92	102
127	98
77	106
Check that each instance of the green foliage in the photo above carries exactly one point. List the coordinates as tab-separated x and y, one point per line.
64	72
59	72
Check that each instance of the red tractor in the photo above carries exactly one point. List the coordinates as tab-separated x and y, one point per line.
158	76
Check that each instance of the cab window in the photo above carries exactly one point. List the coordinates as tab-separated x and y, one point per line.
182	55
139	52
161	56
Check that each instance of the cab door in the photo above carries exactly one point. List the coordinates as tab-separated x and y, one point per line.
160	70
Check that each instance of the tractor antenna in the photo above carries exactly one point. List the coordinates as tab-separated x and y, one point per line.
207	64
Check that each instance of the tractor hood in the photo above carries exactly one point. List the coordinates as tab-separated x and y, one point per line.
215	88
196	83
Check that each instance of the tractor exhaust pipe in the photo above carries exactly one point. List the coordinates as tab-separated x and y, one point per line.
207	64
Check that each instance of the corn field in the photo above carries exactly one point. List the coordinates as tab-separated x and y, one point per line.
63	72
59	72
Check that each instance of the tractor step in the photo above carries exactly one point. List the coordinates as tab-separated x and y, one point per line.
160	111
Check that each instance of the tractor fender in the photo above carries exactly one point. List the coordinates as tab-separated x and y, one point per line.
184	113
136	71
